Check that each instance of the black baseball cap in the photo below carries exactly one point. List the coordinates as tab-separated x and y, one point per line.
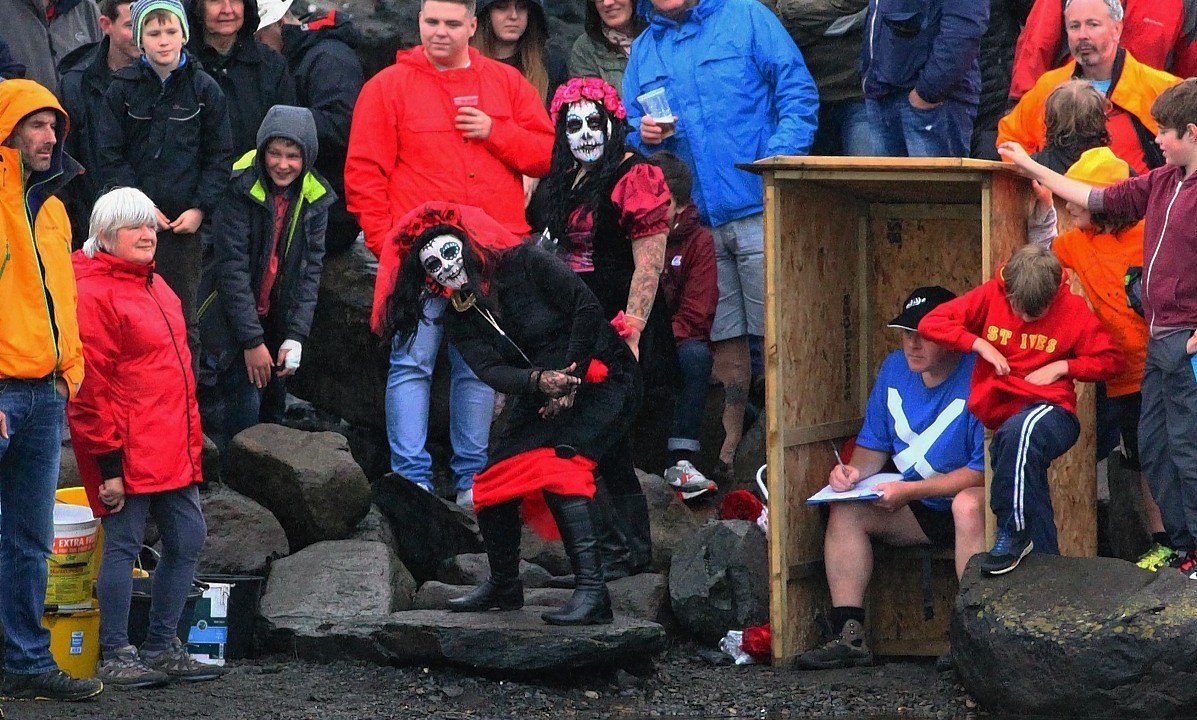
922	301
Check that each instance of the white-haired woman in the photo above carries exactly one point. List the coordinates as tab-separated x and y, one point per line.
135	429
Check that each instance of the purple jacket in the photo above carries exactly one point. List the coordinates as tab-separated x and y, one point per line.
1167	200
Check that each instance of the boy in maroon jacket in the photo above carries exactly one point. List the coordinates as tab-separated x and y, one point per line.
1035	337
690	286
1167	200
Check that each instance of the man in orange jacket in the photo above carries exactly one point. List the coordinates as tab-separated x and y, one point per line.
41	366
1094	29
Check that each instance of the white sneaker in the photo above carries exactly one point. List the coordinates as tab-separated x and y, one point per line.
688	482
465	500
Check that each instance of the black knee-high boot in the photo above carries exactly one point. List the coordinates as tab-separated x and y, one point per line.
632	511
609	529
500	525
590	603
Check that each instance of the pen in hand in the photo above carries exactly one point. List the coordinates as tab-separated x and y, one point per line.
838	459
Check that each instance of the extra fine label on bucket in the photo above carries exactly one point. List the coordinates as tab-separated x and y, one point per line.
77	642
69	567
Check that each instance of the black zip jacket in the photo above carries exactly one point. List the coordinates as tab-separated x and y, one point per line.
170	139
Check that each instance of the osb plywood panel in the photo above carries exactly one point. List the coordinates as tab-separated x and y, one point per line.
908	253
894	604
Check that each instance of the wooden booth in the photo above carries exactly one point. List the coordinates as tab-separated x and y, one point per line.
846	240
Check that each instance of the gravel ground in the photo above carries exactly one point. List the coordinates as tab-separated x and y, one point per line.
678	685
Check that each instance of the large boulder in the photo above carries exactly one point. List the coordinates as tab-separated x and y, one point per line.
344	368
512	643
336	581
671	521
308	480
719	579
1078	637
243	536
428	530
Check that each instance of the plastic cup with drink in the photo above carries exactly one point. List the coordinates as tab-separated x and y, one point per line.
656	105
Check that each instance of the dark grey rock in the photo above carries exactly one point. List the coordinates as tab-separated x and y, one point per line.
345	371
1077	637
1123	520
243	536
719	579
68	468
308	480
428	530
549	554
337	581
435	595
644	596
376	527
473	568
671	521
210	461
516	642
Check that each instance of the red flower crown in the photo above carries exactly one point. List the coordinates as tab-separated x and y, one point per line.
589	88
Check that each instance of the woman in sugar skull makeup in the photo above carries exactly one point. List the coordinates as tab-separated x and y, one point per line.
530	328
607	212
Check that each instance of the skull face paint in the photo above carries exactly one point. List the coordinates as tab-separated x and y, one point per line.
443	261
587	131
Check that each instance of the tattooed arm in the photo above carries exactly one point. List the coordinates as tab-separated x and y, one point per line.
648	254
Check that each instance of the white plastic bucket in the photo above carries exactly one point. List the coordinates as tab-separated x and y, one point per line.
70	579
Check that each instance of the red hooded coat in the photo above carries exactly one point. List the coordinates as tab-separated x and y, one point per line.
136	415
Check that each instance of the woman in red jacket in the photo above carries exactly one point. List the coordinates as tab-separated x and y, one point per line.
135	429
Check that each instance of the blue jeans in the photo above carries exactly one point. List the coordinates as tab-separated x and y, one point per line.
234	403
694	358
1021	451
900	130
409	393
844	129
29	464
181	522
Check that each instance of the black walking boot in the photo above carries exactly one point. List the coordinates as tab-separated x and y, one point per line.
609	527
632	511
590	604
500	525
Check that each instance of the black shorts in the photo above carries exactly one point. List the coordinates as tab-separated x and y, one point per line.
937	525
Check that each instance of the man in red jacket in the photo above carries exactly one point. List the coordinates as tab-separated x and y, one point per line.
442	123
1035	338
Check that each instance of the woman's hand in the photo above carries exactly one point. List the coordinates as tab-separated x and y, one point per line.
556	406
112	494
558	383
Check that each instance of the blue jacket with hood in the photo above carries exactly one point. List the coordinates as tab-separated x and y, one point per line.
739	89
932	46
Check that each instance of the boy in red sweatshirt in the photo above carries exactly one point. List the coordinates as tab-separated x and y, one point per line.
1166	198
1035	338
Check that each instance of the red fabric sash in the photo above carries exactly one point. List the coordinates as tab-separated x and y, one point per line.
528	474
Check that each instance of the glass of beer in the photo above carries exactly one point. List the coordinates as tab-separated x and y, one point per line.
656	105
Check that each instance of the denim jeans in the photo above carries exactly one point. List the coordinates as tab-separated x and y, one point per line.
694	358
181	523
844	129
409	393
234	403
900	130
29	464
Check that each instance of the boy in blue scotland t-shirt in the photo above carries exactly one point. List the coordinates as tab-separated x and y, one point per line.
916	417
